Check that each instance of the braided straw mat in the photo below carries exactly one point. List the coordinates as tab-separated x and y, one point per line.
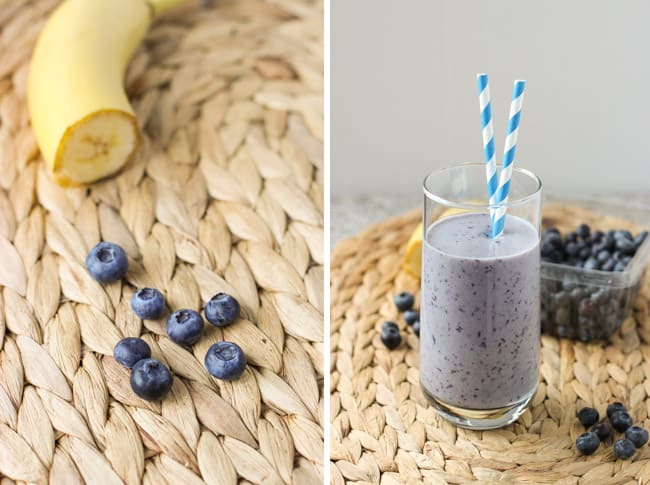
383	431
226	195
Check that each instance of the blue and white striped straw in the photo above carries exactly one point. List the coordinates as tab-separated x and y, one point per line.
499	219
488	136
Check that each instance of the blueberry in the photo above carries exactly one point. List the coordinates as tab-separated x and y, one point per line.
597	235
603	430
184	327
572	249
584	253
150	379
222	310
620	266
625	246
554	239
588	416
411	316
390	335
551	230
608	265
547	249
583	231
404	301
587	443
107	262
416	328
637	435
225	360
557	256
603	256
623	234
609	242
621	420
572	236
148	303
130	350
639	239
624	449
591	263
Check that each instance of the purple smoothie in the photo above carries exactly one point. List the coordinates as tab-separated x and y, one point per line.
479	343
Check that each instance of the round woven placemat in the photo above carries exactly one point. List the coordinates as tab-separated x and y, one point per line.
384	431
226	195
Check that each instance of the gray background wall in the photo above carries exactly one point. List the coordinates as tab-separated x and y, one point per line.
404	97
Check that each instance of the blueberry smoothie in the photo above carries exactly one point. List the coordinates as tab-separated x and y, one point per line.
480	334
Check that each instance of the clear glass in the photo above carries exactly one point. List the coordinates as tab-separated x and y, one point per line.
480	305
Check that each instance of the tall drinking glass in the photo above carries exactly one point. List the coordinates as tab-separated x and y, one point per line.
480	334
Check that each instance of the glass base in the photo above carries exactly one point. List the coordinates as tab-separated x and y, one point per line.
480	419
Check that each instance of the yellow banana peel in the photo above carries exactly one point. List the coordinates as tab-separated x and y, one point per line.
83	121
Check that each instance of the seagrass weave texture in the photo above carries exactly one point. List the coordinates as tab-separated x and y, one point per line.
384	432
225	195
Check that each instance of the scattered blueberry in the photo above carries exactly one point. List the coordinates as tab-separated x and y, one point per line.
404	301
130	350
107	262
390	335
614	408
621	420
587	443
225	360
603	430
416	328
184	327
411	316
624	448
150	379
148	303
588	416
222	310
637	435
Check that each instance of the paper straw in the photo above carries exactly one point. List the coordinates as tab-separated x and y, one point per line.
503	191
488	136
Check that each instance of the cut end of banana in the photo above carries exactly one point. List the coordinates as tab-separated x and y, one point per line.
95	147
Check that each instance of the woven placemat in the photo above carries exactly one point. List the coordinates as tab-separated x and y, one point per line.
226	195
384	431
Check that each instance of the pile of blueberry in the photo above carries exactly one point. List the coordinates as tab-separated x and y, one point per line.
390	335
619	419
151	379
582	311
610	251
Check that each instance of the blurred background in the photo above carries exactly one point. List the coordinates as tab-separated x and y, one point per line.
404	99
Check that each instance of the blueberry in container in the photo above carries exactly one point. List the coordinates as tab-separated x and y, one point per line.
587	304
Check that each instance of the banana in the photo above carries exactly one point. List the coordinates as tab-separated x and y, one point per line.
83	122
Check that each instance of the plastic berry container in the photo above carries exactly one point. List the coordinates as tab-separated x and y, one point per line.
586	304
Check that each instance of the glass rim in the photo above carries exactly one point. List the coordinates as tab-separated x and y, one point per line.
466	205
